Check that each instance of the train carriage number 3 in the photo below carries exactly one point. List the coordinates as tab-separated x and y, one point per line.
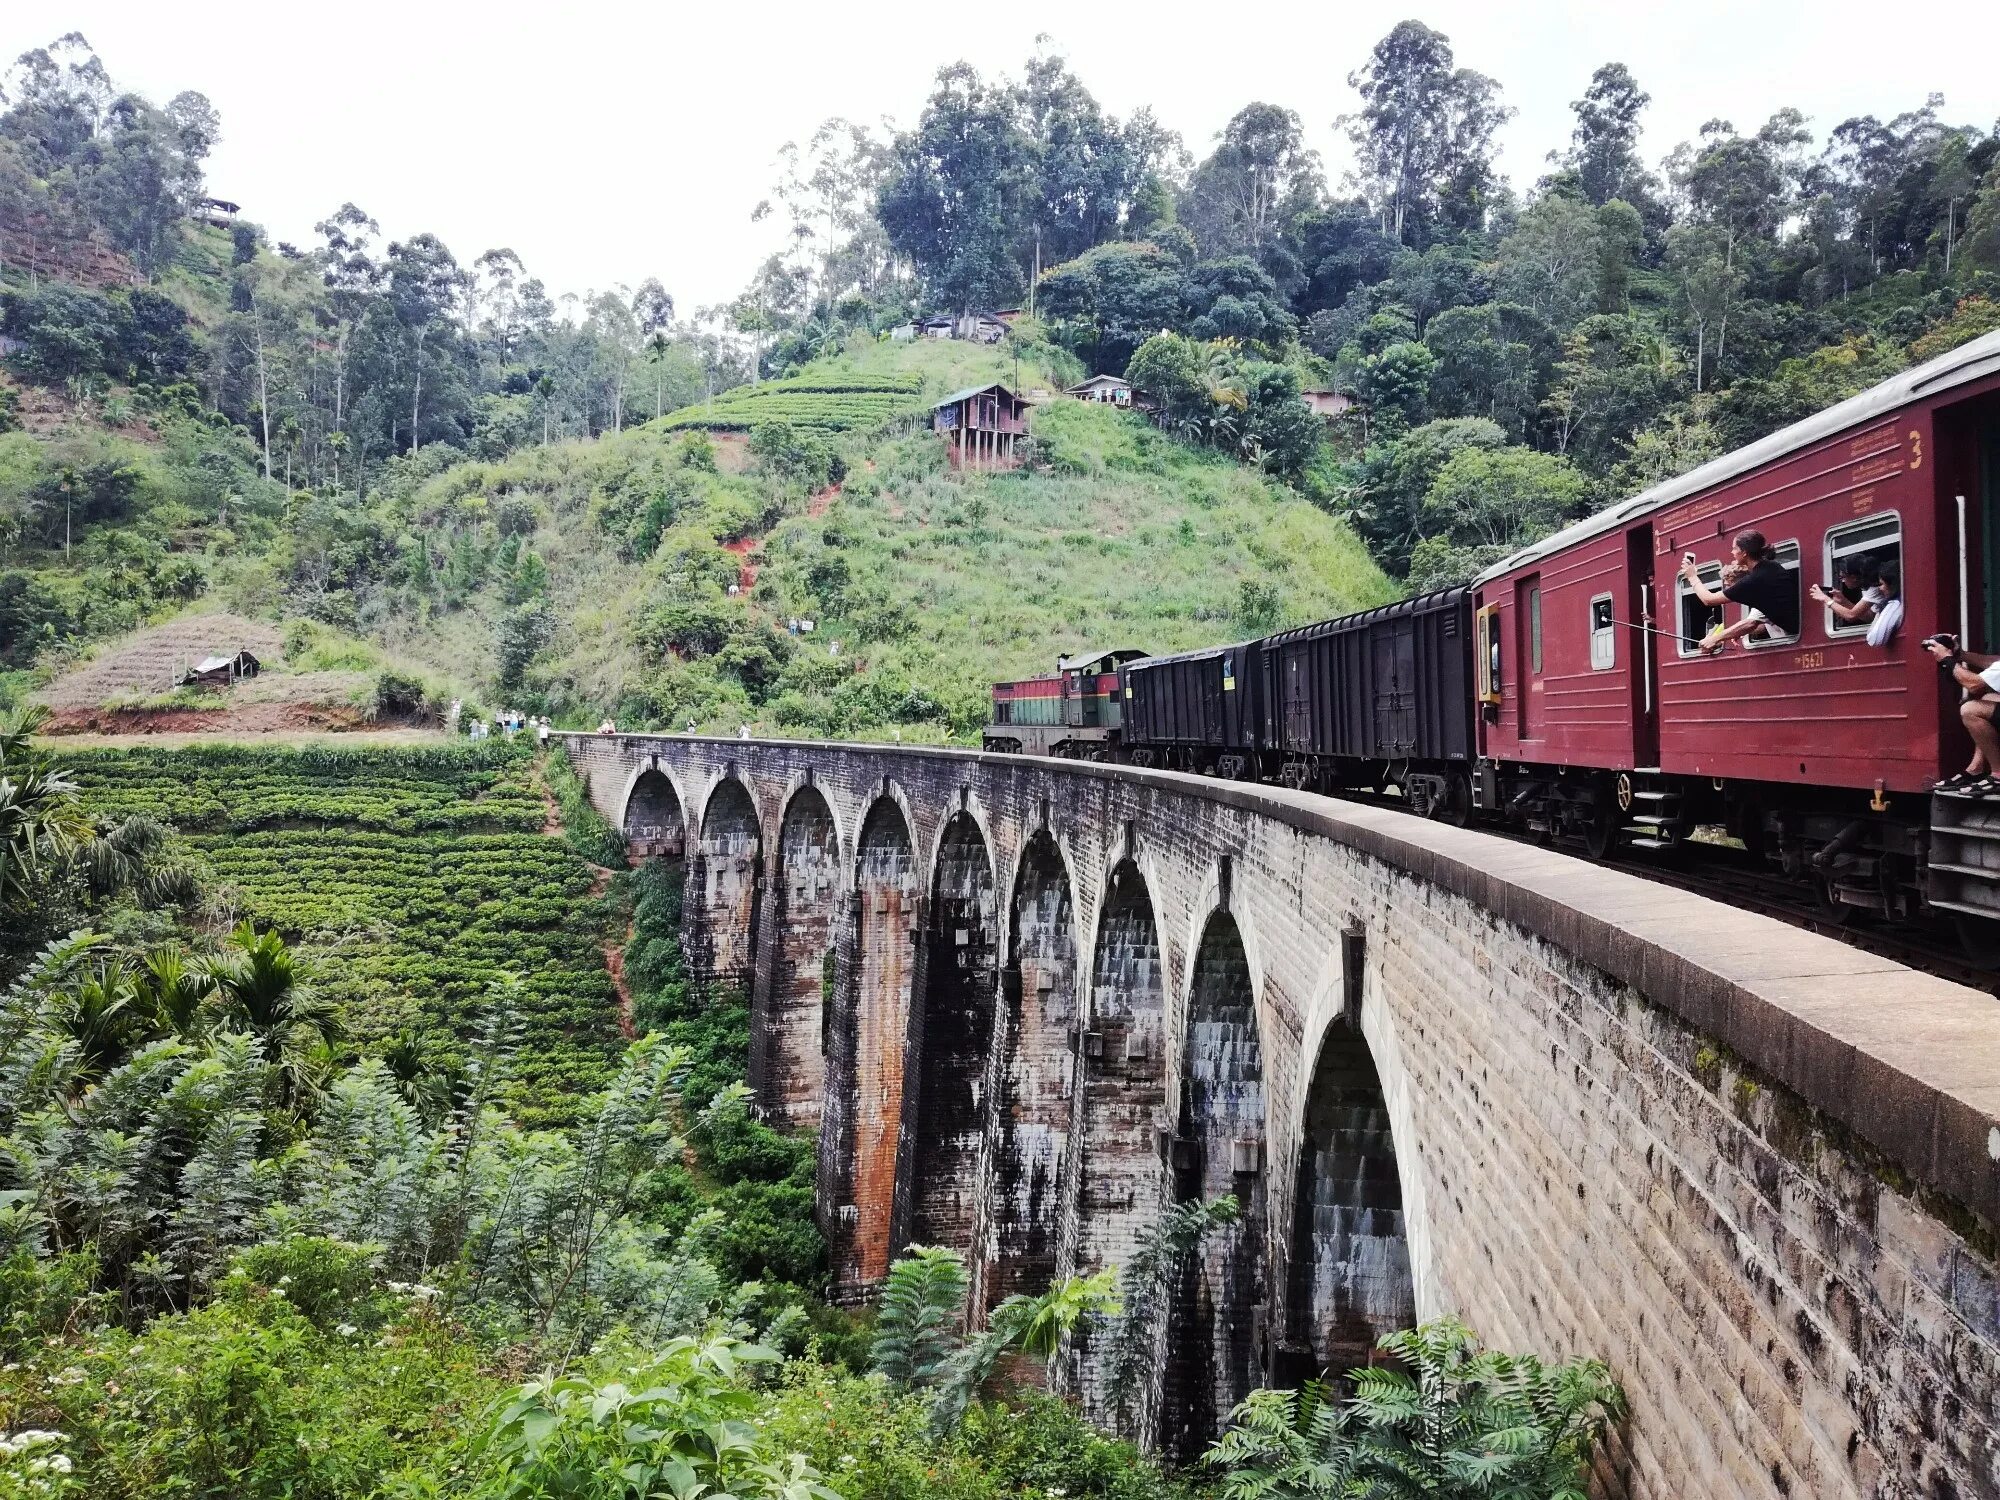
1916	449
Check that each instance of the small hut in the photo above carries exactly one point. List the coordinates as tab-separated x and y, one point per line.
221	671
1327	403
982	426
1107	390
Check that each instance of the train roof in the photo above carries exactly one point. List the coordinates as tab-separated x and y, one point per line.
1198	653
1437	598
1966	363
1114	656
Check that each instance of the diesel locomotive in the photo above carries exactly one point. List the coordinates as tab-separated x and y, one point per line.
1566	690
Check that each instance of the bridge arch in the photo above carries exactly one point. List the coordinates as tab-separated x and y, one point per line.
1121	1176
725	870
1350	1264
861	1130
651	813
790	1002
1033	1101
951	1040
1213	1354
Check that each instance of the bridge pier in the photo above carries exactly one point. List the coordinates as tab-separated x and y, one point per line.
1756	1171
789	995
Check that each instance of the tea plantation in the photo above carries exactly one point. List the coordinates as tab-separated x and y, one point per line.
417	882
836	403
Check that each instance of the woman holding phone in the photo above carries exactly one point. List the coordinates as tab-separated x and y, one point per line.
1754	579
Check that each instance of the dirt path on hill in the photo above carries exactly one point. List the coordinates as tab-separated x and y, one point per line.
614	954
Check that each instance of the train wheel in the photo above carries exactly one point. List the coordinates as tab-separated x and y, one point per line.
1458	800
1980	938
1600	834
1831	907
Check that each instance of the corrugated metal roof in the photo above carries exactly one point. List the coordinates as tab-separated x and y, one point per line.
1085	658
213	663
1966	363
972	390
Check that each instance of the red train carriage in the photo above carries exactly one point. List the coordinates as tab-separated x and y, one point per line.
1600	716
1075	713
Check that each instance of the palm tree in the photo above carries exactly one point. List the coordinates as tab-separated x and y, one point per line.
42	823
174	990
104	1017
264	986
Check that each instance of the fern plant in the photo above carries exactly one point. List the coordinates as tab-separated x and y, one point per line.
917	1330
1148	1279
1035	1326
1289	1445
1447	1421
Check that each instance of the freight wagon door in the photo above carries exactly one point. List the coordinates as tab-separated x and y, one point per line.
1298	698
1395	676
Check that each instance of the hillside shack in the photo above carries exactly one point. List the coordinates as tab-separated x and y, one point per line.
1327	403
1106	390
221	671
982	426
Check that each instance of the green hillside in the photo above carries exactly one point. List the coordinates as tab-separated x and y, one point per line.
922	586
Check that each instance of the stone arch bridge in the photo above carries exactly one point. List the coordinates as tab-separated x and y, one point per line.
1027	1004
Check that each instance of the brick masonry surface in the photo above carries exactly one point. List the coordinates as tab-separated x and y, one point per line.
1752	1169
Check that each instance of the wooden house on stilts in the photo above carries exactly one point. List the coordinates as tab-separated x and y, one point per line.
982	426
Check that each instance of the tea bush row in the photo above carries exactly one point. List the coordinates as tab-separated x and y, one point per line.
236	787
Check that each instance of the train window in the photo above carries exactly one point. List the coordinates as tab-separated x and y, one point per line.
1864	546
1603	635
1788	558
1696	618
1535	629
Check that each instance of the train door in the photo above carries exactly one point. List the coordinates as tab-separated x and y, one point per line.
1395	680
1528	707
1641	645
1297	708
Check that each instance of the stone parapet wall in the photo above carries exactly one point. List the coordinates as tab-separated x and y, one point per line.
1752	1169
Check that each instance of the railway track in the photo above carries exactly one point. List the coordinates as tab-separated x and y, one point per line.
1726	874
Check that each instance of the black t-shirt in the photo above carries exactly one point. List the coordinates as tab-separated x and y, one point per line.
1769	586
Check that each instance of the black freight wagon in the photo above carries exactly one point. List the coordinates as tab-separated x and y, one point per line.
1196	711
1380	697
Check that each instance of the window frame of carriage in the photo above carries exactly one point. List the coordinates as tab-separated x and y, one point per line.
1796	567
1831	553
1603	634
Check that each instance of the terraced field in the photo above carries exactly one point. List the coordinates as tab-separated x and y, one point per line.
834	403
417	883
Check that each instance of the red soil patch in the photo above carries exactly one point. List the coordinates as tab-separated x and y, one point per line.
823	501
251	718
745	549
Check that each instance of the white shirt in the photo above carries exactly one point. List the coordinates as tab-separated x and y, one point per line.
1888	619
1991	677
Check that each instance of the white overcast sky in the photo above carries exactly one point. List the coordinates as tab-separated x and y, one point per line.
610	142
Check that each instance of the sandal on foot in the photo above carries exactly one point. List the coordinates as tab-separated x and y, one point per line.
1957	781
1985	786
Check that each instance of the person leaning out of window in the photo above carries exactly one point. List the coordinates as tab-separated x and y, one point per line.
1756	580
1880	606
1979	675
